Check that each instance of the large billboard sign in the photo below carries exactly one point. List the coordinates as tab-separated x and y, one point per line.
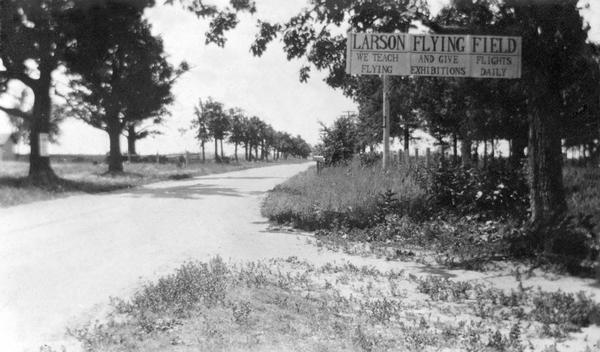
442	55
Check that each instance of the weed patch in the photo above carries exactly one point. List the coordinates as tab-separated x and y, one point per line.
292	305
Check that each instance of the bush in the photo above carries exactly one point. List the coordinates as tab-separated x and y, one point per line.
583	192
565	309
494	191
339	141
571	243
369	159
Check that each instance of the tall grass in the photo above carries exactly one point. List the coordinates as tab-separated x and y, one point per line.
343	195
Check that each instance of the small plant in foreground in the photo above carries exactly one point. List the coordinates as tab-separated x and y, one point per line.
442	289
241	312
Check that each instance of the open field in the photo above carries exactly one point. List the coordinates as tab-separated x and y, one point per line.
91	177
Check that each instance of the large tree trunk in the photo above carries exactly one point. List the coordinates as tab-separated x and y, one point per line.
455	146
594	155
406	138
222	158
547	195
235	152
217	150
465	153
131	139
203	154
40	171
485	153
115	160
517	150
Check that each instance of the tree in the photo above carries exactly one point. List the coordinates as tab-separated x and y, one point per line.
200	127
121	74
554	45
307	34
339	142
300	148
149	95
239	123
404	118
28	34
23	103
218	124
253	136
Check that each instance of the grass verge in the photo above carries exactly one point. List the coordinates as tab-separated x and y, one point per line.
397	215
292	305
348	196
87	177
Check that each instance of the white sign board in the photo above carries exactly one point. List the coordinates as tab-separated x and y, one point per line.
442	55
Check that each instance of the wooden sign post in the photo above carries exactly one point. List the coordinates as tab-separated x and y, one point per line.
440	55
386	121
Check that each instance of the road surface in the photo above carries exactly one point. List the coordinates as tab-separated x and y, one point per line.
60	260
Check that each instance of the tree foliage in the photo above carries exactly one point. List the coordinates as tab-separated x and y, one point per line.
214	121
120	74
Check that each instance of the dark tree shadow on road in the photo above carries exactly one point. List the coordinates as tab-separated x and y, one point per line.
195	191
240	178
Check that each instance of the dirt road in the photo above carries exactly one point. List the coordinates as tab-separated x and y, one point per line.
60	260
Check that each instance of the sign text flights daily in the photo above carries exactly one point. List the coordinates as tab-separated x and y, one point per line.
434	55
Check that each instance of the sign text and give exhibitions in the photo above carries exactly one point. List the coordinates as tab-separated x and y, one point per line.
445	55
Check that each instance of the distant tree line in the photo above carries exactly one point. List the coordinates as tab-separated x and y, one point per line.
259	140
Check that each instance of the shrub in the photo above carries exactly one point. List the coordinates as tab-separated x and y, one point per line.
369	159
583	192
443	289
192	284
565	309
570	242
493	191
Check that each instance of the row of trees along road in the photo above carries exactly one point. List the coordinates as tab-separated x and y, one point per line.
214	122
37	37
556	99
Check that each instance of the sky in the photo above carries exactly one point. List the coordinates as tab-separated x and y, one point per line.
267	87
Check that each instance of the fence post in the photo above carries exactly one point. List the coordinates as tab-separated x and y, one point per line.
417	156
428	157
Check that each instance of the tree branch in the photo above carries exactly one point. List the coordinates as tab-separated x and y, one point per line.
16	112
13	72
